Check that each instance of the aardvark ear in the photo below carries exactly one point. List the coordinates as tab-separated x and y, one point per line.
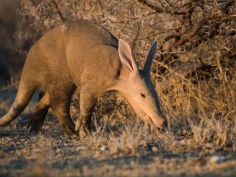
150	57
126	57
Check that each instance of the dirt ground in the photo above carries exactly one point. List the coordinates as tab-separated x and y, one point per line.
53	154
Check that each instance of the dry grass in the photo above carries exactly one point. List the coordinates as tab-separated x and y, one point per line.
194	74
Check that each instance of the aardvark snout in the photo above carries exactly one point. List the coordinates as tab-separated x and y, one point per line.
160	123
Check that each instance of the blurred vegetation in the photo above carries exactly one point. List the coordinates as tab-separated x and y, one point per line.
16	38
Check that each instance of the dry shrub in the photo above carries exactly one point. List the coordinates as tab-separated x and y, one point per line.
194	71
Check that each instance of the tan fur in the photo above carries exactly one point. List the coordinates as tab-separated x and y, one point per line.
86	55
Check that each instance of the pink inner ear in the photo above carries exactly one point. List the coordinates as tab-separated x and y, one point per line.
129	62
126	56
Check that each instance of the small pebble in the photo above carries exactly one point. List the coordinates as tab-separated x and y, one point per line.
217	159
103	148
154	149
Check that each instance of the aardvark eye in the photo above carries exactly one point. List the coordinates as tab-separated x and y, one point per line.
143	95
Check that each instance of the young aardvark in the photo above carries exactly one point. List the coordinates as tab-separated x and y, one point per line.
86	55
